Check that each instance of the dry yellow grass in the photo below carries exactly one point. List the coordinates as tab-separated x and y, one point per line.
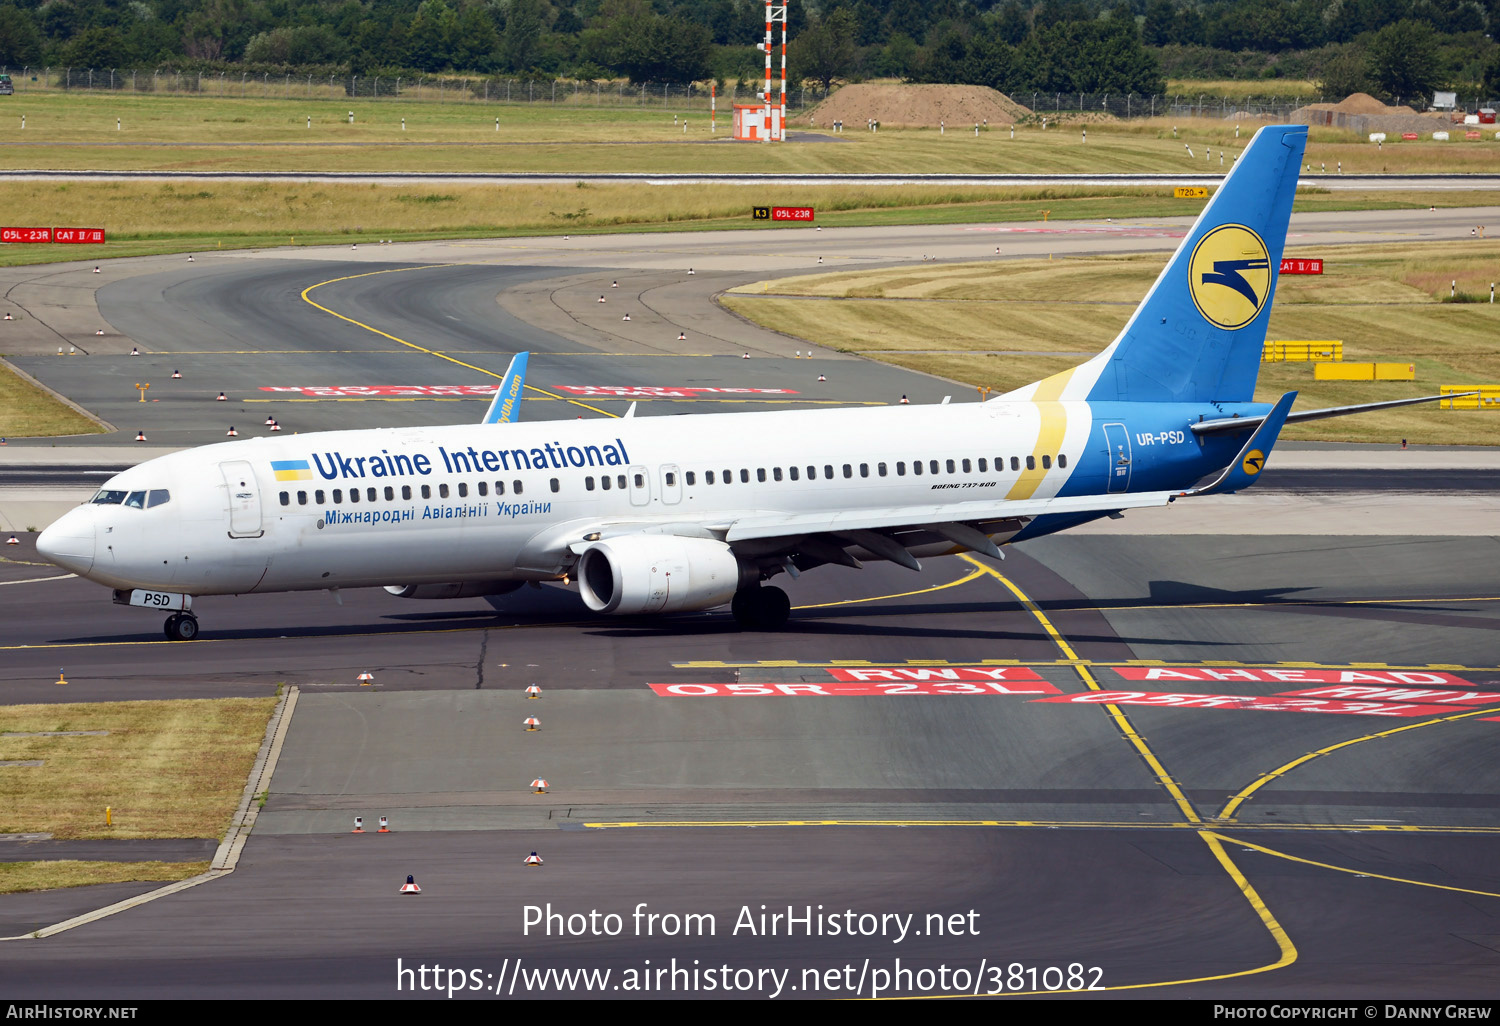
1385	303
167	769
43	876
26	409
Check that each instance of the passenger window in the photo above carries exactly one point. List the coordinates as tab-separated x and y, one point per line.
370	494
728	476
671	479
158	497
812	473
619	483
1015	463
137	500
640	480
744	476
932	465
880	468
442	491
555	485
354	495
605	482
776	473
828	471
950	466
588	484
792	471
302	498
426	491
1031	463
286	500
484	488
390	493
916	467
984	465
760	474
708	477
1062	459
499	487
338	496
406	491
864	470
848	470
900	468
692	478
318	497
463	489
515	486
1046	462
966	466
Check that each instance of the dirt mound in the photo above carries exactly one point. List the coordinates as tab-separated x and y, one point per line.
1361	103
914	105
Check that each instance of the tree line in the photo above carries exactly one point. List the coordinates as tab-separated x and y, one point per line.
1392	47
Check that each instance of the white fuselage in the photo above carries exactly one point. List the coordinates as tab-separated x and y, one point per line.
497	502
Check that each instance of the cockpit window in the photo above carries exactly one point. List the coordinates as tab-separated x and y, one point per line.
136	500
158	497
108	497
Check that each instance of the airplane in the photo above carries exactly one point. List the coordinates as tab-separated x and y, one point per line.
653	515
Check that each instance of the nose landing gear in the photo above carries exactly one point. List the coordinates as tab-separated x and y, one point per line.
181	627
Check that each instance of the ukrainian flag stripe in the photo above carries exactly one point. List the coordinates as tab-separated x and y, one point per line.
291	470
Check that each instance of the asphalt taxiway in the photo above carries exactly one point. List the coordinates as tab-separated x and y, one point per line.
1235	844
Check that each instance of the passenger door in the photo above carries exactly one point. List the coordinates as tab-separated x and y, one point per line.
244	499
1117	440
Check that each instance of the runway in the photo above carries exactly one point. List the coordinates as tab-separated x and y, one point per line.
920	744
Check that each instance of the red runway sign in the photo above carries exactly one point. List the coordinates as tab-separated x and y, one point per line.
662	391
371	391
855	690
1292	675
1267	703
791	213
1290	266
78	235
25	234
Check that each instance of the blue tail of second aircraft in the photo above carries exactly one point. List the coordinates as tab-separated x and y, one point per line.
1197	336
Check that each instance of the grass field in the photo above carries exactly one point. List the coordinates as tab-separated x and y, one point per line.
173	133
1003	325
167	769
1299	89
43	876
28	410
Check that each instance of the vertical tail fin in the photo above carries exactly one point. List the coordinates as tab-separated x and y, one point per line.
506	406
1197	336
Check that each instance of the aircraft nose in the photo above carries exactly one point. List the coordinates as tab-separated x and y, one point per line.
69	542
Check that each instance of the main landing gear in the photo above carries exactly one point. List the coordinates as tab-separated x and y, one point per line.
761	609
181	627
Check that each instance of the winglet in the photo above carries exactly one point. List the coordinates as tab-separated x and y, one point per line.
1246	467
506	406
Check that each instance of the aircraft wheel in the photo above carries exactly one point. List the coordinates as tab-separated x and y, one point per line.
182	627
746	608
775	608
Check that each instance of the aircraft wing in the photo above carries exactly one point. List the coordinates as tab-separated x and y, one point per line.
783	524
506	406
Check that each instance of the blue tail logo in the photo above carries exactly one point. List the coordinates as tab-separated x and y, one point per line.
1229	276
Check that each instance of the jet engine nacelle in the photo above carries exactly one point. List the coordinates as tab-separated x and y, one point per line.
657	573
456	590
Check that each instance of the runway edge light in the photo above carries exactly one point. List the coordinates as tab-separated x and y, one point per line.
365	679
410	887
359	825
385	826
538	786
532	723
533	859
533	691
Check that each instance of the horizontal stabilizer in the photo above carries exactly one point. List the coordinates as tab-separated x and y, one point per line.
1251	460
506	406
1220	424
